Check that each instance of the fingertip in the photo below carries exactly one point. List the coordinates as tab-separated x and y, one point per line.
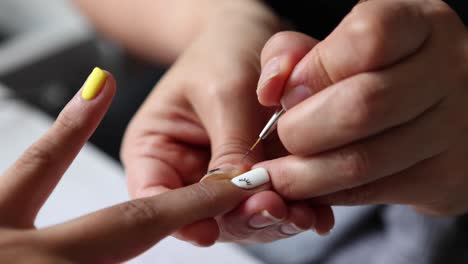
269	93
325	220
279	57
302	215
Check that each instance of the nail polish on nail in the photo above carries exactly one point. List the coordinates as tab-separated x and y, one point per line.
251	179
295	96
94	84
290	229
224	169
262	220
269	71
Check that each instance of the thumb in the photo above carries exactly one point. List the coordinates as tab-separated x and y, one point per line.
233	120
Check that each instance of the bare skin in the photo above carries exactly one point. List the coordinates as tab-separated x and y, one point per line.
384	117
203	114
111	235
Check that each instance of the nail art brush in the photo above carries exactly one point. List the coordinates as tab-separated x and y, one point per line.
269	127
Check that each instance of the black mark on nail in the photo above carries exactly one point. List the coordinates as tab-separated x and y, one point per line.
213	170
247	181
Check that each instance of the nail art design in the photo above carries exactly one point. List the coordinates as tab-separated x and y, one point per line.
247	181
252	179
94	84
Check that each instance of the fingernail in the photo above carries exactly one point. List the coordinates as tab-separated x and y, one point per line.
262	220
269	71
295	96
252	179
290	229
224	169
94	84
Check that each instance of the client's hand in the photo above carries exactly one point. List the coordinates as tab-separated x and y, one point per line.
111	235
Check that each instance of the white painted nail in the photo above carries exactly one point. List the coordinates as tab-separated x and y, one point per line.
263	219
291	229
252	179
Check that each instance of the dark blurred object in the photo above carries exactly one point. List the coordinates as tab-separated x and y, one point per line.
319	17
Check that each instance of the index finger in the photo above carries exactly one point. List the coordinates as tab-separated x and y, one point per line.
126	230
26	185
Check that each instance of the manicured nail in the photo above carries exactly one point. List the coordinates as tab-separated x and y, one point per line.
295	96
269	71
224	169
290	229
262	220
94	84
252	179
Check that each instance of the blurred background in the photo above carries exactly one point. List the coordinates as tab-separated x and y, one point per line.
47	49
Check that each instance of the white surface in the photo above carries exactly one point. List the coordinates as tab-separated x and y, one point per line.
92	182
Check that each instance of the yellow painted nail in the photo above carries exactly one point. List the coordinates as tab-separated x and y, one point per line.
94	84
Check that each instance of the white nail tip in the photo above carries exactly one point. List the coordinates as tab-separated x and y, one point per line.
252	179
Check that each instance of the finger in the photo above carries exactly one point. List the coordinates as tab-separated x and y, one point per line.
360	43
26	185
431	186
126	230
203	233
232	127
162	146
279	57
301	218
325	219
365	104
255	215
296	177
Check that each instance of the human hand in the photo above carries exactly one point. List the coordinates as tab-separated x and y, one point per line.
202	115
110	235
378	113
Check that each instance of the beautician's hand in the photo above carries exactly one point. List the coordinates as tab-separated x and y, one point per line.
110	235
377	110
204	114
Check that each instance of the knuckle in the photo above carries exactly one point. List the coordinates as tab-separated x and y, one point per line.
140	212
320	67
364	105
290	136
205	193
367	24
365	30
37	155
67	121
356	166
285	183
